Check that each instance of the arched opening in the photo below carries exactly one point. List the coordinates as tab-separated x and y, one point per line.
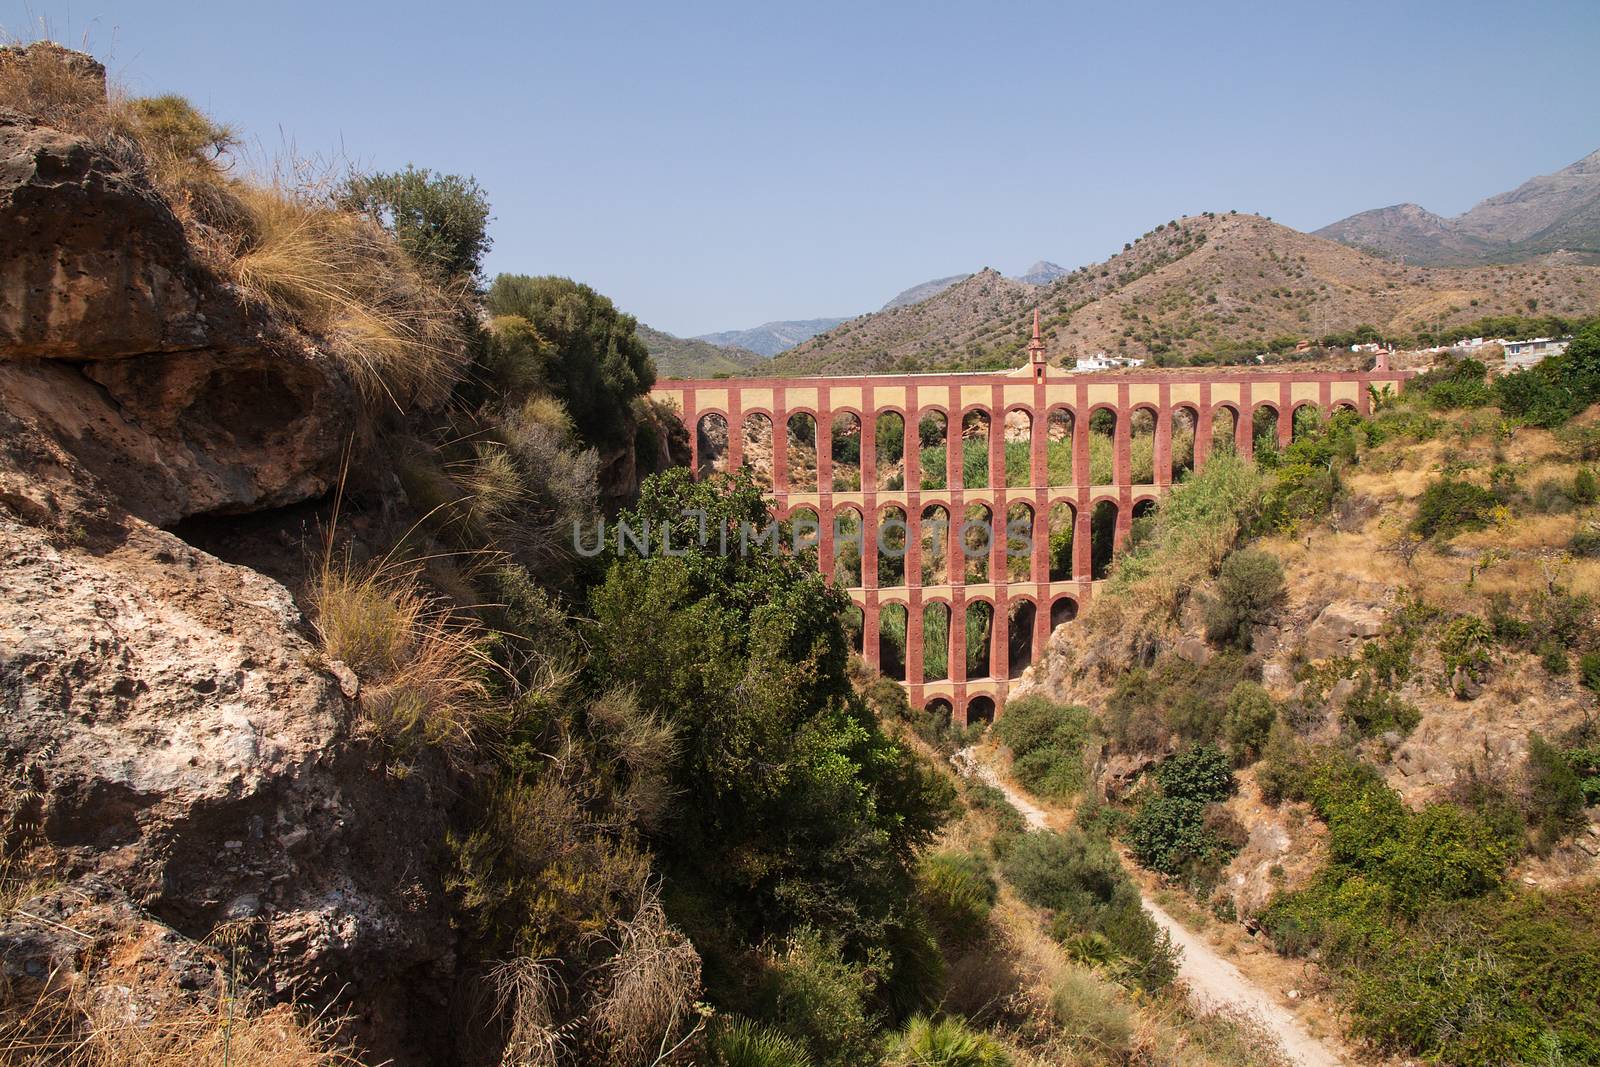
758	448
1264	431
1063	524
980	627
940	711
854	621
1102	536
935	641
1142	446
1306	422
1058	446
889	448
975	450
1102	446
892	641
935	534
933	437
893	534
847	535
1185	424
1019	635
1224	431
1019	448
980	709
846	450
802	457
1144	519
1063	611
711	434
805	534
1019	541
977	531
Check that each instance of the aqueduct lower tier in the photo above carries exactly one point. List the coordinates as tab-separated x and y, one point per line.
1074	459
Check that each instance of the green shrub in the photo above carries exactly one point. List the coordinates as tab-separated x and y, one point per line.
1465	645
945	1043
1589	671
809	992
1461	384
1251	715
1201	774
1047	745
985	797
1169	834
1090	1011
1248	584
1586	543
441	220
1449	506
1585	486
738	1042
1555	792
958	891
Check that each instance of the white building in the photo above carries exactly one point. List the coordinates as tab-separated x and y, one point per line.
1527	353
1101	361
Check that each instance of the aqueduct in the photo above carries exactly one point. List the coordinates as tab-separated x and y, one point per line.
1067	462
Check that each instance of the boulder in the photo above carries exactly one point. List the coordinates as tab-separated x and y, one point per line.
1339	625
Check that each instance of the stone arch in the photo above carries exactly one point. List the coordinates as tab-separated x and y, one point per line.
844	445
1143	515
1063	609
893	531
1305	420
892	631
757	439
936	640
1019	541
940	710
805	532
1224	429
934	532
1103	420
1058	445
848	534
975	536
889	448
1017	441
980	708
1142	422
1063	524
854	621
1102	537
980	637
802	451
976	425
933	451
1183	434
1264	428
711	434
1021	614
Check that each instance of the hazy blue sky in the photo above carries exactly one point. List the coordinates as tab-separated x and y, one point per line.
713	166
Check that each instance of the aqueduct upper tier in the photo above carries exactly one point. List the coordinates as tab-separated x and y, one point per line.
1058	465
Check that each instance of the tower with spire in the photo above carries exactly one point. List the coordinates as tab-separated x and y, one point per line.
1036	357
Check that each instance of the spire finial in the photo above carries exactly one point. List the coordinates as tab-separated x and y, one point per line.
1036	322
1036	345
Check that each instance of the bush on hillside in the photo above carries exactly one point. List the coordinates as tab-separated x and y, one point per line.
740	1042
958	890
1248	584
441	220
945	1043
1047	745
1201	773
1554	792
1251	715
811	993
1449	506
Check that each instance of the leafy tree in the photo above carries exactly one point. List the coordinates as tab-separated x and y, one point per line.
441	220
1248	584
1251	714
584	350
1451	505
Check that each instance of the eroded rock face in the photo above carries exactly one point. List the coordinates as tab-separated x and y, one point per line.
188	750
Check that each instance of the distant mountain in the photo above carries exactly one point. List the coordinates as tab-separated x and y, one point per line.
918	293
680	357
1556	216
1043	273
770	338
1205	286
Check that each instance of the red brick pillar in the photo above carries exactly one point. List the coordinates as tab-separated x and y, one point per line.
1124	519
1041	625
1244	425
1325	399
869	542
1202	428
955	558
1039	569
691	422
825	520
997	446
998	571
1039	449
1000	637
1122	441
1285	415
953	451
824	448
780	445
1080	439
735	429
1364	395
869	443
913	559
956	656
869	631
1163	461
1082	558
911	459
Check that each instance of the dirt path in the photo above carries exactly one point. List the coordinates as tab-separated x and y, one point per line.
1213	981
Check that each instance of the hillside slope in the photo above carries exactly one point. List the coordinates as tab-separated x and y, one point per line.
683	357
770	338
1198	288
1552	213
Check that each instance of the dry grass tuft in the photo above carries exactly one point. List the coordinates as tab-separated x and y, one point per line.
652	982
527	993
422	665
